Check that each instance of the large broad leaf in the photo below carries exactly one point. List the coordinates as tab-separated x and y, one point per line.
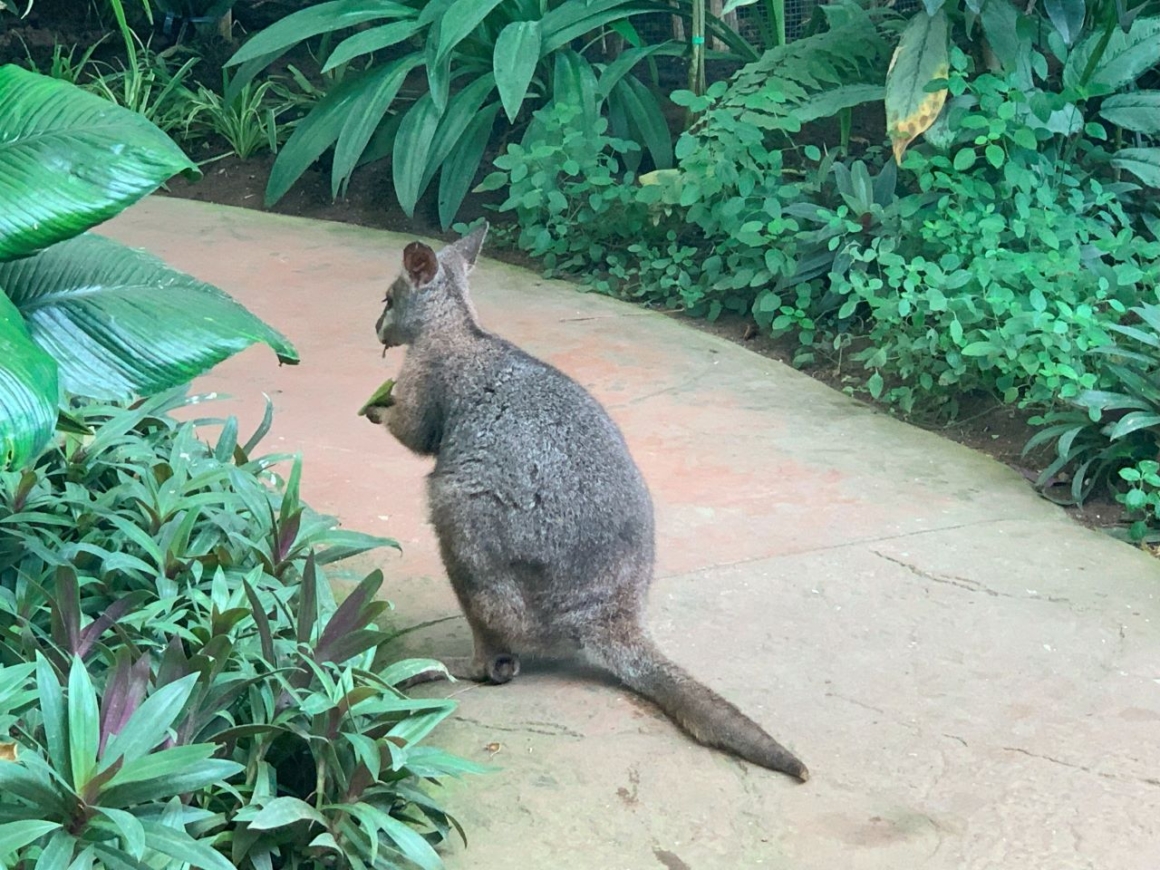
70	160
120	322
920	58
461	165
517	51
1139	111
28	390
1144	163
1125	58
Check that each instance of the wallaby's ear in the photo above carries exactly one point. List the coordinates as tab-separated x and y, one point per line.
470	245
420	263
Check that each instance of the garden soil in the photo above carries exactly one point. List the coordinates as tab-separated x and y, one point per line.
971	677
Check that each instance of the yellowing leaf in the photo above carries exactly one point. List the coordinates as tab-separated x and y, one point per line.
7	751
920	58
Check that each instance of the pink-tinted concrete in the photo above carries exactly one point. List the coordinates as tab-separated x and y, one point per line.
971	678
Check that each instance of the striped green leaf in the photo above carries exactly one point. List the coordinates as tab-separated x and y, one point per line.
70	160
119	322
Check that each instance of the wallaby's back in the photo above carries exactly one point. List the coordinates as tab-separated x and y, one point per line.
544	521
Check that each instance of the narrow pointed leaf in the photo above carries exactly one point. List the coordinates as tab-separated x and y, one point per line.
921	56
282	811
461	110
314	20
312	136
461	17
52	712
574	83
125	689
411	150
58	854
17	835
129	828
69	160
150	723
365	114
28	389
178	844
193	778
19	781
624	63
120	322
1067	16
457	175
375	39
84	727
517	51
648	119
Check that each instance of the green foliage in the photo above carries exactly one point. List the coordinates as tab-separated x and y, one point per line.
708	236
1142	498
1013	252
177	680
507	55
248	123
80	312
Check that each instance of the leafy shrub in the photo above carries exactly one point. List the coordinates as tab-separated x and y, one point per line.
709	235
177	680
996	268
1011	252
509	54
1109	429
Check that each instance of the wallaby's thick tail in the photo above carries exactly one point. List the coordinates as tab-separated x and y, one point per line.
700	711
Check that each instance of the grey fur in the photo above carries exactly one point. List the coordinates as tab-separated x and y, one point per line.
545	524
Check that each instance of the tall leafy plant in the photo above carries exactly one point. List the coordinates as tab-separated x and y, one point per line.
483	61
80	314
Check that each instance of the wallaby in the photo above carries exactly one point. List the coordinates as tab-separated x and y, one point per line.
544	522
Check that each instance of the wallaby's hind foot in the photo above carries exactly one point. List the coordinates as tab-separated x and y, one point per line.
503	668
499	669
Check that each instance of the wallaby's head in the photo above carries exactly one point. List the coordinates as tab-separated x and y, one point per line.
431	292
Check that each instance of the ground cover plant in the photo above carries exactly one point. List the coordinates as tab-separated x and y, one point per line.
178	685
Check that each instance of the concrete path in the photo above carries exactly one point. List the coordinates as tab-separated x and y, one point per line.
973	680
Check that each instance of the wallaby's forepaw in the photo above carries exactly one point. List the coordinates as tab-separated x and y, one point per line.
377	414
503	668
